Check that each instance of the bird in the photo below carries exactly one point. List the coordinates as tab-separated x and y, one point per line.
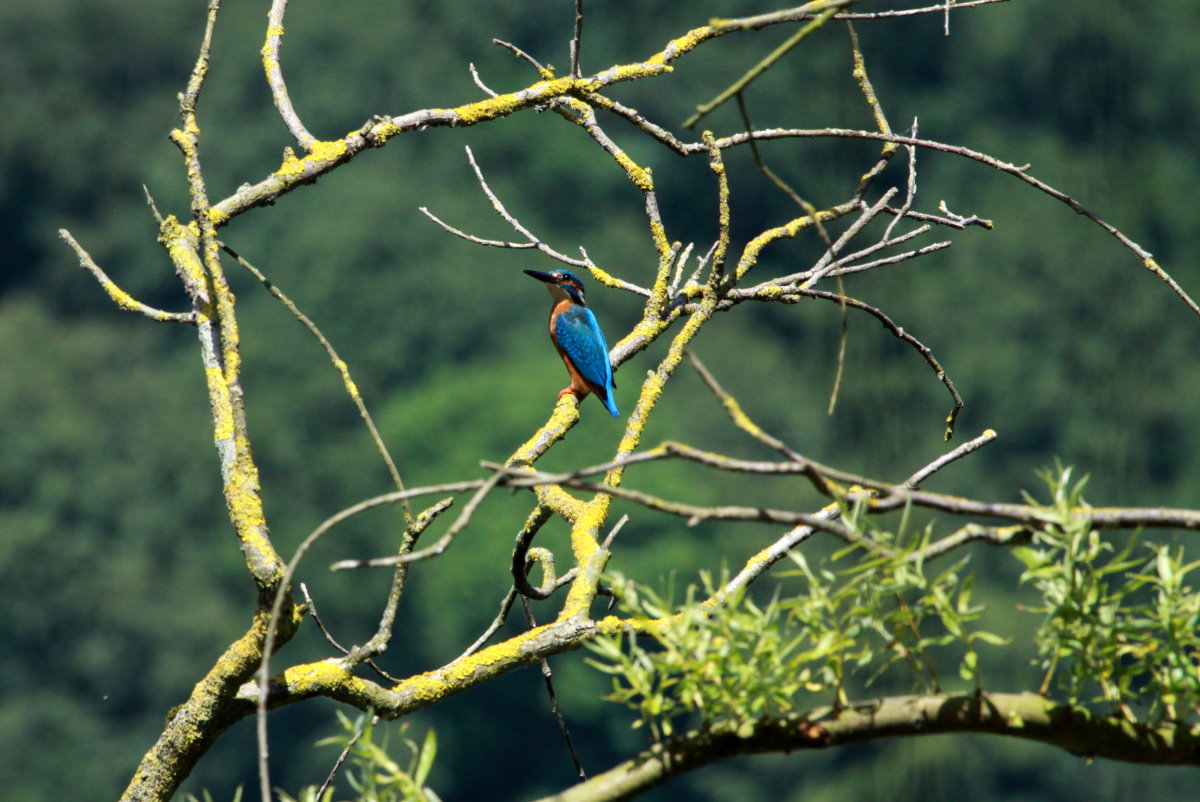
577	336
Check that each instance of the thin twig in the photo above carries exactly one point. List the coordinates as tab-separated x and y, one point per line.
940	8
532	241
973	533
122	299
826	262
734	409
316	617
545	72
491	243
383	633
548	677
765	559
505	606
439	547
758	69
158	218
783	186
901	334
479	81
343	370
337	765
576	38
917	479
954	221
274	70
881	123
1018	171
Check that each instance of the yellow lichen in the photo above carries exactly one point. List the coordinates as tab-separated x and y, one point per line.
222	409
677	47
327	151
319	152
658	236
640	176
351	387
386	131
291	165
318	677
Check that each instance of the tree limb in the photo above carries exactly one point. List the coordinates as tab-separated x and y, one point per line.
1019	715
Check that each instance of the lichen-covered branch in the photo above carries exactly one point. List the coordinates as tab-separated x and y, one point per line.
274	72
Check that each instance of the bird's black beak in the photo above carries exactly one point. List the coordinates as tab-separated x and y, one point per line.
540	276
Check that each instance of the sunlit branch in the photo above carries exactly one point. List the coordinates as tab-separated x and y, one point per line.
311	607
973	533
1019	172
274	71
118	295
734	409
799	36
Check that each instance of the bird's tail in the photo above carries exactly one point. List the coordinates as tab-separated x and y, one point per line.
609	403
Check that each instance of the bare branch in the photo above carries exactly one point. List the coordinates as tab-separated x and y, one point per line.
917	479
464	517
576	38
119	296
1019	172
828	9
736	413
343	370
901	334
316	617
545	72
274	70
492	243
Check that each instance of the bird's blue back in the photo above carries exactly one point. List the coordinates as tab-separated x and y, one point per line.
579	335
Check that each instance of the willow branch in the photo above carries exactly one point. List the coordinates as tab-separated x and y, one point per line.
1028	716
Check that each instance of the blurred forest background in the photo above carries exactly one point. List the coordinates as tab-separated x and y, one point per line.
120	577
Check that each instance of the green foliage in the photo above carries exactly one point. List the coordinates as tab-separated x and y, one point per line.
370	771
1121	626
739	660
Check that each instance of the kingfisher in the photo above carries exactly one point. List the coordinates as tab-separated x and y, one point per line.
577	336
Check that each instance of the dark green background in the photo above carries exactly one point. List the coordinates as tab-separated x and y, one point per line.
121	580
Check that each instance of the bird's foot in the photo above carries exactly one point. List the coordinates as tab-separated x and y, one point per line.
570	391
